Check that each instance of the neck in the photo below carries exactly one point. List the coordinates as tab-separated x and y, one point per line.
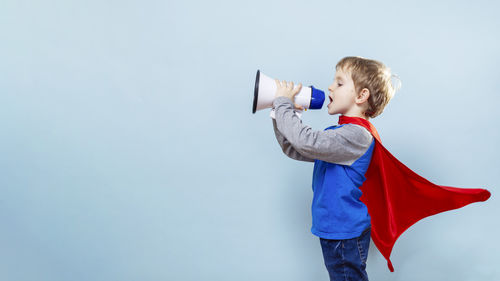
357	111
355	115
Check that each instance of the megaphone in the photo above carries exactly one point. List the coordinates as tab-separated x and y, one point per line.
265	91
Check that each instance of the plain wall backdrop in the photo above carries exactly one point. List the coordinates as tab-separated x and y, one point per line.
129	150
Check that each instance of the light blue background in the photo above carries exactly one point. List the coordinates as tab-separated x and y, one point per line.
129	150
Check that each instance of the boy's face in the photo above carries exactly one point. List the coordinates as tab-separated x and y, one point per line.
342	94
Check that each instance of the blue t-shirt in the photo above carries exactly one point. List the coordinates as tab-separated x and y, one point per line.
337	212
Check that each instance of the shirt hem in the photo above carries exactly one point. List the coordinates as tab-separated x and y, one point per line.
338	235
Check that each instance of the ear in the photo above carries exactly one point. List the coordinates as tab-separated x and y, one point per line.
363	95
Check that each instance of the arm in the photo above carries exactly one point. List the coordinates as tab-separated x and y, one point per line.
343	145
287	147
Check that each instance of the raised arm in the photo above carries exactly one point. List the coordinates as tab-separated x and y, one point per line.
287	147
343	145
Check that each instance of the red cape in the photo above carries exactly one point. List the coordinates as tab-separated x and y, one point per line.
397	197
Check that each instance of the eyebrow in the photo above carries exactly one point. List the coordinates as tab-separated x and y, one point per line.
338	77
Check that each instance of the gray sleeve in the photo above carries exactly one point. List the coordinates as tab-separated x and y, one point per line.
287	147
343	145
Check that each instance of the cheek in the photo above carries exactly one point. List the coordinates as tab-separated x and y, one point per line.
342	101
339	99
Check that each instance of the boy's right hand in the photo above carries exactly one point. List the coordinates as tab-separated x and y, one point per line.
286	89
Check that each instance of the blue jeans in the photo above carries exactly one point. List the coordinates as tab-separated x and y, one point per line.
345	259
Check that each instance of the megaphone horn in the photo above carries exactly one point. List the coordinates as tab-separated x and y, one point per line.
265	91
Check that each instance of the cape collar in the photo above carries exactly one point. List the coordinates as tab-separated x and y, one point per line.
343	119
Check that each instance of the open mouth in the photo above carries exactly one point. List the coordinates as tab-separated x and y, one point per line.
330	99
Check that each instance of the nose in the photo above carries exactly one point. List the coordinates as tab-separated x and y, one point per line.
330	88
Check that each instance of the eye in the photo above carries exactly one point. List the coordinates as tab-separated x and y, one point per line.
339	84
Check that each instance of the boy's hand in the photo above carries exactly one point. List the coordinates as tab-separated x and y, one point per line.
285	89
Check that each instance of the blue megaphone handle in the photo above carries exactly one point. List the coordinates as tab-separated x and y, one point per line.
317	98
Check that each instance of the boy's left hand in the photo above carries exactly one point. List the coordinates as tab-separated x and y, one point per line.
285	89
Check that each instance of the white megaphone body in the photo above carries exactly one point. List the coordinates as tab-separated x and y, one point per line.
265	92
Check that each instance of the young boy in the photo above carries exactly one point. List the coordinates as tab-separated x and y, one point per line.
341	156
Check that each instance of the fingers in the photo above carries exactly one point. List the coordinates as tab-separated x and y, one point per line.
283	83
278	84
298	88
288	85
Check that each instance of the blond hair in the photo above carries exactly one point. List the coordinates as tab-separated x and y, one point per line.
373	75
